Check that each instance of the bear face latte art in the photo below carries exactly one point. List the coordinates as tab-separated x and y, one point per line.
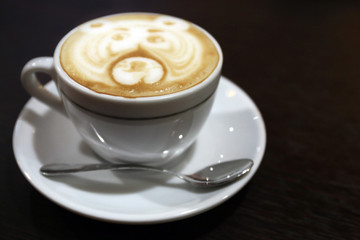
138	55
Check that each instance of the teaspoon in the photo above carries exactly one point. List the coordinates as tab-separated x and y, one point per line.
213	175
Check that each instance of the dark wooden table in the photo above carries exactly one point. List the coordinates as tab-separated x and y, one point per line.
298	60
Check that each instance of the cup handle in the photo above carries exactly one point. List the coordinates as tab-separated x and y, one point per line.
33	86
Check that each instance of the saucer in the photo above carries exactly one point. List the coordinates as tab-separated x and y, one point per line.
235	129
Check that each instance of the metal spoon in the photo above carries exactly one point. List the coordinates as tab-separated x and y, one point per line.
213	175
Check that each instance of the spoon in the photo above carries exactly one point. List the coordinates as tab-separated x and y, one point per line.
213	175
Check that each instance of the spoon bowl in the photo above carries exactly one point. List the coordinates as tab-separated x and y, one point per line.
210	176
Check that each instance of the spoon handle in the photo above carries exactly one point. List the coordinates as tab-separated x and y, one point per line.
63	169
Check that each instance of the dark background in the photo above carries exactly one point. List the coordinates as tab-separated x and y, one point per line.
298	60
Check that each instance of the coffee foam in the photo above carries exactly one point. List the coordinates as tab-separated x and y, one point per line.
132	70
138	55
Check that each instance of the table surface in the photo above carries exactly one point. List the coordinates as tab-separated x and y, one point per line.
298	60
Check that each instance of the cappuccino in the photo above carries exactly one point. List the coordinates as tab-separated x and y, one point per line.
138	55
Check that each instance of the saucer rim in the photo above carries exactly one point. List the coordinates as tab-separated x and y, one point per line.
125	218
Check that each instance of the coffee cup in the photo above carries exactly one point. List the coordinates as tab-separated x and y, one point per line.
138	87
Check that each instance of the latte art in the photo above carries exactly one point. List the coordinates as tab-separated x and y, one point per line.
138	55
131	71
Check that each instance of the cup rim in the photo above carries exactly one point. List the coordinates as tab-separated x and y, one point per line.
172	115
138	100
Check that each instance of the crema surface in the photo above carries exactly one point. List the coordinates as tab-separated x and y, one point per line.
138	55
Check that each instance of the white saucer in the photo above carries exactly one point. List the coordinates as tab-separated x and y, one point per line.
235	129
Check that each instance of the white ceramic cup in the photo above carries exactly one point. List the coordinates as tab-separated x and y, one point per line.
144	130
